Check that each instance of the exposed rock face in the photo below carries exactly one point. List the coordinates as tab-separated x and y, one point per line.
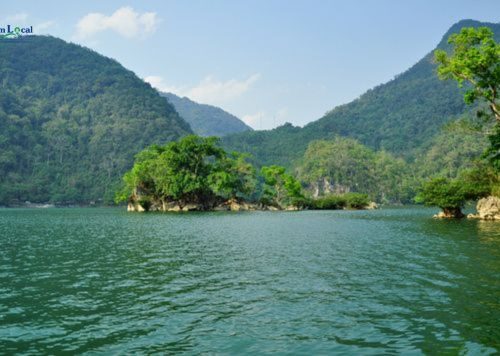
136	204
487	209
324	187
135	207
236	205
372	206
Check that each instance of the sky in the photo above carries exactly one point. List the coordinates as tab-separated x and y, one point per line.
266	61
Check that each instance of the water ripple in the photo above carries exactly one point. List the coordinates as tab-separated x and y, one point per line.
385	282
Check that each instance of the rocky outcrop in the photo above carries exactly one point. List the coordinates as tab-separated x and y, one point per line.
487	209
158	206
140	205
134	206
237	205
450	213
324	186
372	206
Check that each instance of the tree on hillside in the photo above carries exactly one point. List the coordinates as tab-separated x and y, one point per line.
475	59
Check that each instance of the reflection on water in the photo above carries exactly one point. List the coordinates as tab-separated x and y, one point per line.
102	280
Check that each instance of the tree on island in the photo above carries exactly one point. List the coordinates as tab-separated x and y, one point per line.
193	170
281	189
197	171
451	195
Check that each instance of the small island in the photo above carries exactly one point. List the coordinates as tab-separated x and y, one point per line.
196	174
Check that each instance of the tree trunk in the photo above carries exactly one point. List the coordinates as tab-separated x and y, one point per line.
495	109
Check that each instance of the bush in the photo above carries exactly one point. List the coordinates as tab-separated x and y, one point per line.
356	200
442	192
334	202
451	194
329	202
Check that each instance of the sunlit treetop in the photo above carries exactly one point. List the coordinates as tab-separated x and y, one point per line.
475	58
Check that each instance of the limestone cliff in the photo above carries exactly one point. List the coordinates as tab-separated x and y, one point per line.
487	209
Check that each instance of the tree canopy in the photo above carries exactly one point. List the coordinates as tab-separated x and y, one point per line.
71	121
475	59
191	170
451	194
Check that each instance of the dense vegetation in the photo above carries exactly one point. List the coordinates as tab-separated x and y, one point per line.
474	58
206	120
197	171
451	194
281	189
402	119
71	121
341	201
343	165
400	116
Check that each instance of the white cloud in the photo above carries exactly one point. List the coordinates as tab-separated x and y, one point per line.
263	120
254	120
43	26
209	90
125	21
158	83
16	19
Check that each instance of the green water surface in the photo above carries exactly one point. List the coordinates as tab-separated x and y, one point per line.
104	281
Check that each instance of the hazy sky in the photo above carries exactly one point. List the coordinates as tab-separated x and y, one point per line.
267	61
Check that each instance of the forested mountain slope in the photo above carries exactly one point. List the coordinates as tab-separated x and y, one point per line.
72	120
400	116
206	120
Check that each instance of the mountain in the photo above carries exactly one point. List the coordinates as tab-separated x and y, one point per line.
399	116
206	120
72	120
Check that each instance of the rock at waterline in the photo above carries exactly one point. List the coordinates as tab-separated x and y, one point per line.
487	209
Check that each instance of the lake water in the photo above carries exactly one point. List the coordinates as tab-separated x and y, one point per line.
315	282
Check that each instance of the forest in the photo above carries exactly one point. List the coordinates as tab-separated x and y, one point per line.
71	122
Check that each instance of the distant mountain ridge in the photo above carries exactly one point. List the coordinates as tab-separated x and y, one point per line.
206	120
399	116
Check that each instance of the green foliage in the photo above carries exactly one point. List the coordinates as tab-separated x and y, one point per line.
449	195
71	121
492	153
191	170
329	202
398	116
280	188
340	201
475	59
356	200
454	193
449	153
342	165
206	120
233	176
